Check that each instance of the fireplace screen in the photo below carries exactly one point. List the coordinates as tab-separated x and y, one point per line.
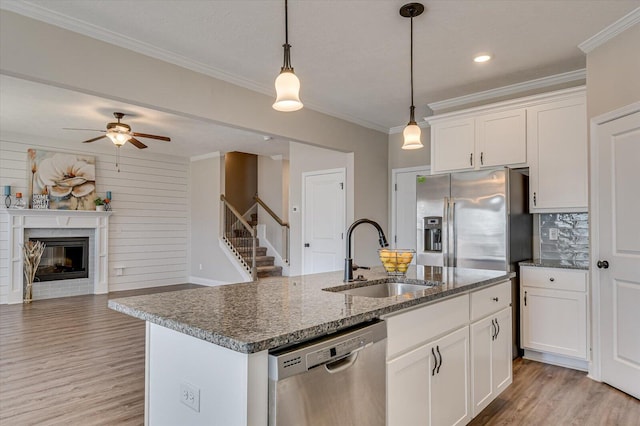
63	258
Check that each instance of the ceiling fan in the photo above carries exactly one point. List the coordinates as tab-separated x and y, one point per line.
120	133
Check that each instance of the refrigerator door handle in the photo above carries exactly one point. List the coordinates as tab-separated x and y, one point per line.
445	230
454	241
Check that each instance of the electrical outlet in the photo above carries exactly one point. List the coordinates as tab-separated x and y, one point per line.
553	234
190	396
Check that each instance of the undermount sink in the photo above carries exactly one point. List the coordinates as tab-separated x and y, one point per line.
385	289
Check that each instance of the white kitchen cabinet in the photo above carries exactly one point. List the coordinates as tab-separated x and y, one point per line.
491	353
553	311
557	135
449	379
478	141
501	138
408	388
452	145
430	385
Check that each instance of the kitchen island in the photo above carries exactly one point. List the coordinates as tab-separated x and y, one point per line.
211	344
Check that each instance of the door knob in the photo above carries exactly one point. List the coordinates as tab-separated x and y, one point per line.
603	264
306	244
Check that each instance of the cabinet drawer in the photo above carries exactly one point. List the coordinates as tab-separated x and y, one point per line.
412	328
490	300
554	278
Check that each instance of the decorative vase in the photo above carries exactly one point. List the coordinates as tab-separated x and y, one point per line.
32	253
100	208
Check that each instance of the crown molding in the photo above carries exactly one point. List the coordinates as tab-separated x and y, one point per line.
622	24
399	129
40	13
513	89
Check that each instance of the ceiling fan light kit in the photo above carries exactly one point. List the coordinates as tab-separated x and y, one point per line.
412	132
287	83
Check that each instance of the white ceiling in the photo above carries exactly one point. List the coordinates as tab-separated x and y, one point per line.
352	56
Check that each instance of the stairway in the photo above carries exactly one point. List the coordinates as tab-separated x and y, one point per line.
242	242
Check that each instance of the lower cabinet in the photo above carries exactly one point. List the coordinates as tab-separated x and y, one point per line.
430	385
491	370
448	360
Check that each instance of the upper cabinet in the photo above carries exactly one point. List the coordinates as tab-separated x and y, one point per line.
546	132
472	143
558	160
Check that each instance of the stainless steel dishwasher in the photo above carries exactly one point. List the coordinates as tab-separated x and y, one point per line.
338	380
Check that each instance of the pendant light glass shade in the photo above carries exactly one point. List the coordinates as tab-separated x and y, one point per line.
411	135
288	92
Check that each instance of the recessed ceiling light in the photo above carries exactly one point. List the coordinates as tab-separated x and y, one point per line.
483	57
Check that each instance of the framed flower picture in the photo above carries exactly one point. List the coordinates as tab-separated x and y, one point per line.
68	179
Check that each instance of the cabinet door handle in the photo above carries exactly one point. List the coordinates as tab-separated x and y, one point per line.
498	331
495	299
525	298
471	159
534	198
435	362
552	279
481	158
440	355
493	330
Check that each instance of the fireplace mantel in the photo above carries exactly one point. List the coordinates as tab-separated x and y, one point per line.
19	220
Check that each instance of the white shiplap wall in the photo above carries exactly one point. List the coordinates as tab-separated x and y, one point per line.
148	234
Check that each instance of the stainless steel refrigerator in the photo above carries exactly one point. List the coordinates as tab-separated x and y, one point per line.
476	219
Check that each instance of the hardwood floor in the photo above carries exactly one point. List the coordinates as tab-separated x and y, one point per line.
73	361
547	395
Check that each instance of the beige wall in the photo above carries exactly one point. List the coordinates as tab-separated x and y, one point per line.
41	52
613	73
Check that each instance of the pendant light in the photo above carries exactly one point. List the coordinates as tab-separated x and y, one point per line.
287	84
412	132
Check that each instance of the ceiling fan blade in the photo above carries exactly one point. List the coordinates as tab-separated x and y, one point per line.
160	138
95	139
90	130
135	142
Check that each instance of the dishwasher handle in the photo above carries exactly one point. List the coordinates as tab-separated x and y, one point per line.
342	363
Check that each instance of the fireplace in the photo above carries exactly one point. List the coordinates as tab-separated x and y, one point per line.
64	258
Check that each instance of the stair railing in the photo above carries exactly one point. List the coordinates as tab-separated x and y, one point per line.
239	235
284	228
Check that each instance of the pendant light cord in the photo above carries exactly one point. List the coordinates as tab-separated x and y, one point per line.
412	119
287	47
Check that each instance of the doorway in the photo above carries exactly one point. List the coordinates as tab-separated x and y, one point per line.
323	220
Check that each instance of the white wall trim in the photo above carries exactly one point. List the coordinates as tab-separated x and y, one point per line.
512	89
215	154
399	129
622	24
234	261
553	359
206	281
595	366
42	14
511	103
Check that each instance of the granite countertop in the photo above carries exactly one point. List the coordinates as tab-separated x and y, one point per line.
277	311
566	264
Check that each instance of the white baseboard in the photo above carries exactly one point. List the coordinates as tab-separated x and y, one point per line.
206	281
559	360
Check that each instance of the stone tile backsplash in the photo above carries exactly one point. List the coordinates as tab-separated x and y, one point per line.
572	242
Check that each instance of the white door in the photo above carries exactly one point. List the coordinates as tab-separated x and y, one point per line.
405	225
616	196
323	222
